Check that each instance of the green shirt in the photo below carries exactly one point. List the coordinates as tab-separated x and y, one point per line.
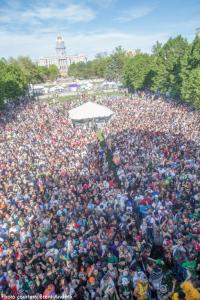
112	259
190	265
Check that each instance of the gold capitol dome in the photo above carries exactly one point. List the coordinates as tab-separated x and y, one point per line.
59	39
60	46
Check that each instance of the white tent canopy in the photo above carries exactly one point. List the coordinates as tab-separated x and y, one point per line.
89	111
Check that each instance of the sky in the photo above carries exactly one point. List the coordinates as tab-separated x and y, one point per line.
89	27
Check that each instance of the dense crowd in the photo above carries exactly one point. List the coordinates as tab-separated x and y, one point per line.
114	220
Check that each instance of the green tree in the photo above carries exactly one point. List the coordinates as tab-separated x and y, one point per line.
34	73
83	70
173	67
168	64
194	59
13	83
72	70
2	81
138	72
190	74
115	65
16	74
156	48
191	88
28	68
43	73
99	65
103	66
53	72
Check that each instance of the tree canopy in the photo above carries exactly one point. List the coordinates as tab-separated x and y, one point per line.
137	71
103	66
13	82
17	74
172	68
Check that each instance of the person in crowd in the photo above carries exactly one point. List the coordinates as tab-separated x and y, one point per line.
116	219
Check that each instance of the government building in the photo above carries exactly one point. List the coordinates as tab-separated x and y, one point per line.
61	60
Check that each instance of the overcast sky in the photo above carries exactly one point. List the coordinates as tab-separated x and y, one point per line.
30	27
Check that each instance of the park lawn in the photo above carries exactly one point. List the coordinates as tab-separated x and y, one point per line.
62	99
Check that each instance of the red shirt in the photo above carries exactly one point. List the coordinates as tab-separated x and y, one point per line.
111	183
146	201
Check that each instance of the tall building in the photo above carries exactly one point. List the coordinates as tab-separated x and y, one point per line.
61	59
60	47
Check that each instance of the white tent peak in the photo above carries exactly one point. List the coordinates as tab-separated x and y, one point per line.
90	110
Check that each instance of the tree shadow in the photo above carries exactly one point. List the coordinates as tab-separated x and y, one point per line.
76	182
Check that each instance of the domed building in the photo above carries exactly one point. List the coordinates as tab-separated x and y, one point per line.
61	59
60	46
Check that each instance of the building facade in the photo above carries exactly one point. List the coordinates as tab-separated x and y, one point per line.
61	59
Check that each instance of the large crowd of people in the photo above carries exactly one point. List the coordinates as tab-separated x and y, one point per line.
86	219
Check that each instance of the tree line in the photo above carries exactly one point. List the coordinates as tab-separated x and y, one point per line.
103	66
17	74
173	68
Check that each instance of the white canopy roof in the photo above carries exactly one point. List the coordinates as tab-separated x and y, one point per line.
89	110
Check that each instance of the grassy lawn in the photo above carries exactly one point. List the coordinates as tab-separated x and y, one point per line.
62	99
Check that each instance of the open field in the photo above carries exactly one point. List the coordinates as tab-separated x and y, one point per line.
72	97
